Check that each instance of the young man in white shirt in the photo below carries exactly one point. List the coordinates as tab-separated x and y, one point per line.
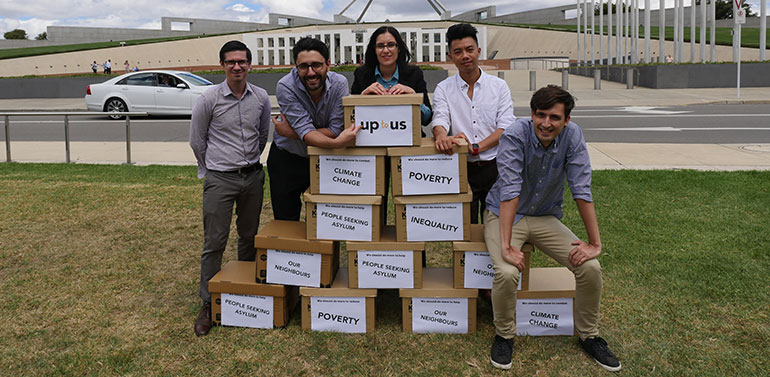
474	106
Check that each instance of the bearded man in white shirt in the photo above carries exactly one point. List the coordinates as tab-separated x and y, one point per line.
474	106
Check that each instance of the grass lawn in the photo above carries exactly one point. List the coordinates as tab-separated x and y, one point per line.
100	264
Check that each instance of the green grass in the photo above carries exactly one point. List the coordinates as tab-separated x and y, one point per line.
99	269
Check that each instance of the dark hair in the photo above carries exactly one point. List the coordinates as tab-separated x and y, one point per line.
234	46
370	57
548	96
310	44
460	31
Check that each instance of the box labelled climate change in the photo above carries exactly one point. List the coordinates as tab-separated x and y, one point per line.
473	268
385	264
424	170
347	171
236	300
343	217
438	307
286	256
338	308
433	217
385	120
548	306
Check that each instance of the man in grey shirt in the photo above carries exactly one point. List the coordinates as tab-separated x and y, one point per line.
310	98
228	132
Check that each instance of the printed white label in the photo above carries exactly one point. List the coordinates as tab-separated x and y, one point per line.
349	222
349	175
540	317
293	268
342	314
385	269
384	125
434	222
247	311
430	174
441	315
479	270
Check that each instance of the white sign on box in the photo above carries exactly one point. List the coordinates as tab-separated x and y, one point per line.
247	311
349	175
440	315
341	314
540	317
384	125
430	174
293	268
434	222
385	269
479	270
350	222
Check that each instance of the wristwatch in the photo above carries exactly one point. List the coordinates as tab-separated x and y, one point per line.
475	149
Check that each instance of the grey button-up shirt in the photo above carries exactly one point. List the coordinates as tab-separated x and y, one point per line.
303	115
536	175
226	132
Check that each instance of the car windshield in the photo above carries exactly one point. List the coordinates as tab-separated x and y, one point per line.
195	79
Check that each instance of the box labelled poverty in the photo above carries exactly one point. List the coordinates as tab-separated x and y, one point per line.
236	300
338	308
286	256
548	307
343	217
433	217
473	268
347	171
437	307
424	170
385	120
385	264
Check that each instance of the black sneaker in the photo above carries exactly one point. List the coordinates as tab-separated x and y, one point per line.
597	348
502	351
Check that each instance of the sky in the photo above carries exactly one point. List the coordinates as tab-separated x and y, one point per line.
34	15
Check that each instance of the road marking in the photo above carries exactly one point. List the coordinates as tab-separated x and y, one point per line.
650	110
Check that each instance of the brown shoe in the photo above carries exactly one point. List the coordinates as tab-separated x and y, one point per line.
203	323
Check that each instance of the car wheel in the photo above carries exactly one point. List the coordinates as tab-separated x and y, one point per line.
115	105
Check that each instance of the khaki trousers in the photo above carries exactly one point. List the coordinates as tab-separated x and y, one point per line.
548	234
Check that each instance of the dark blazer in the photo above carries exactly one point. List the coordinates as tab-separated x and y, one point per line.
409	75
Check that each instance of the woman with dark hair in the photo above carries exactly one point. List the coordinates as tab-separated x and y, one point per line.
386	70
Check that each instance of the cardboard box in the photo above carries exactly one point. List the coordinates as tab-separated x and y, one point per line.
385	120
338	308
340	217
433	217
437	306
424	170
286	256
388	263
236	278
548	307
481	274
347	171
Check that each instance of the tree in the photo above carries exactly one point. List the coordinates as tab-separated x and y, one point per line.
42	36
15	34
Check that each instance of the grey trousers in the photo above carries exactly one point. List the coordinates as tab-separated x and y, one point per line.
220	192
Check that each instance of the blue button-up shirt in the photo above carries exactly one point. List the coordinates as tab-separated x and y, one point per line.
303	114
536	174
425	111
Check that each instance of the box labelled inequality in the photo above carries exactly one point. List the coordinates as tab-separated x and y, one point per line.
433	217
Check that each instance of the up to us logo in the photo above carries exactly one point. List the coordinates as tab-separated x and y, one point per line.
373	125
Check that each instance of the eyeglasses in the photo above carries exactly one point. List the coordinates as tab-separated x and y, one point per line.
232	63
389	45
315	65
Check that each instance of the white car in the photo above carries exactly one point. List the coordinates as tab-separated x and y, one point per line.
154	92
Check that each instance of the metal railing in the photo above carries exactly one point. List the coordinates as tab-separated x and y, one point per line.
66	116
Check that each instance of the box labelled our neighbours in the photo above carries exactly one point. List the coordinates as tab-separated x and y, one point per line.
343	217
339	308
473	268
385	120
433	217
385	264
438	307
423	170
347	171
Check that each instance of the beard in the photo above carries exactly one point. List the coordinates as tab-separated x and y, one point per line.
320	83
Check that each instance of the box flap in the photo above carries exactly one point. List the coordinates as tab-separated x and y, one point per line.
353	151
426	147
549	282
370	100
344	199
339	288
238	277
437	282
290	236
428	199
387	243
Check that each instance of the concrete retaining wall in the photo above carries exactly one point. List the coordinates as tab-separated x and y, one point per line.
680	76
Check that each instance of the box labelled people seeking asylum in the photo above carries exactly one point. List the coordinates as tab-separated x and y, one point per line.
438	307
424	170
433	217
385	264
338	308
347	171
236	300
386	121
286	256
473	268
548	307
343	217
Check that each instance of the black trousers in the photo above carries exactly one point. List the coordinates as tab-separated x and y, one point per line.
289	178
481	176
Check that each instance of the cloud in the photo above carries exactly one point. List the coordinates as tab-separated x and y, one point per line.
240	8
